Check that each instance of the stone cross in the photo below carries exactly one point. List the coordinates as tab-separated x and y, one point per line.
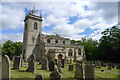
79	72
31	64
6	71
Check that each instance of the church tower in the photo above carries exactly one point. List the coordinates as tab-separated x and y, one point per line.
32	31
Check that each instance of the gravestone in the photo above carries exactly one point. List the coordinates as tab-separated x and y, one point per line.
21	60
39	77
0	67
70	67
44	64
31	64
55	75
79	71
17	62
70	61
109	65
118	66
6	71
63	63
89	72
51	66
59	66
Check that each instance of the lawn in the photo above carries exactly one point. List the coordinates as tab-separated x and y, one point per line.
21	73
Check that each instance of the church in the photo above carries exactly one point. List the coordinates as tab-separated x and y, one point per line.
43	46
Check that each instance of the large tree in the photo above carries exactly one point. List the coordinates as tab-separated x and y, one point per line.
11	48
109	49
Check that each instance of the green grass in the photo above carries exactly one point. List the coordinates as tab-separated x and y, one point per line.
21	73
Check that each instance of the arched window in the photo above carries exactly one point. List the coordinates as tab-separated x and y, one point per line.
56	41
35	25
48	41
63	42
79	51
70	52
25	26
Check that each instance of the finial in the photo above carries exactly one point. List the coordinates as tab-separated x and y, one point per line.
33	10
40	14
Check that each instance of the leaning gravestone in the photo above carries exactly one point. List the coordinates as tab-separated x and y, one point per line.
70	68
55	75
17	62
51	66
89	72
79	71
31	64
6	71
44	64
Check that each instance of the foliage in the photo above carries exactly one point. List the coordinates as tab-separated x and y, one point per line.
109	49
11	48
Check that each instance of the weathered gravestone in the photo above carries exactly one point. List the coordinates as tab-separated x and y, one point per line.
6	71
31	64
51	65
44	64
17	62
59	66
89	72
118	66
55	75
109	65
63	63
79	71
70	67
39	77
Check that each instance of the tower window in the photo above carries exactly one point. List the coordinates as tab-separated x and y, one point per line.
25	26
48	41
70	52
79	51
56	41
35	25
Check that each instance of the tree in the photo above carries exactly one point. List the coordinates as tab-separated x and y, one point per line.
109	49
12	49
8	49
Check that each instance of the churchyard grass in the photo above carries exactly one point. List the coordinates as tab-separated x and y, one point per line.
21	73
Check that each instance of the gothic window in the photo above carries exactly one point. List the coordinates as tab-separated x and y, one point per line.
79	51
25	26
48	41
70	52
56	41
63	42
35	25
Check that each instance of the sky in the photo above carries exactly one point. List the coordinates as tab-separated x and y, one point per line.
72	20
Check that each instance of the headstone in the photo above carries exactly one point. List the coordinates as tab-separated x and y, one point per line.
59	66
31	64
22	61
89	72
51	66
79	71
17	62
44	64
0	67
63	63
55	75
6	71
70	68
39	77
70	61
109	65
118	66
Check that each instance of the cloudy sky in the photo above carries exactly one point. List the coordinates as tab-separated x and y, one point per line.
68	19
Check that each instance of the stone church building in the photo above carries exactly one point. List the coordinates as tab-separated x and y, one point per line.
44	46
